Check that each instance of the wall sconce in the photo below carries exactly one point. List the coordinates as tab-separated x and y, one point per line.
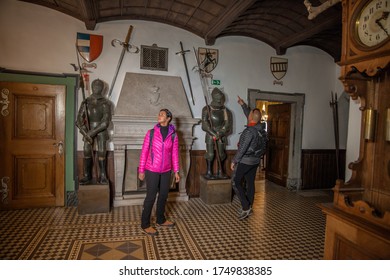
387	136
369	130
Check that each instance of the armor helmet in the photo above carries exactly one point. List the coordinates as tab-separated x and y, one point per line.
217	97
97	86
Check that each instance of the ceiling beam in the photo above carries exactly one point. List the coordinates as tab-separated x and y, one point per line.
89	12
224	20
317	28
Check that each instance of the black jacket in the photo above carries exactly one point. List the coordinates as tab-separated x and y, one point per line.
247	143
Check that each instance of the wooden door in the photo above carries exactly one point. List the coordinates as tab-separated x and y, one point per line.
32	125
278	145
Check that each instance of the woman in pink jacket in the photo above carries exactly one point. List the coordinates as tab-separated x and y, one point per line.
159	156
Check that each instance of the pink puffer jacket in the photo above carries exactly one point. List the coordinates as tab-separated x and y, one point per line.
162	156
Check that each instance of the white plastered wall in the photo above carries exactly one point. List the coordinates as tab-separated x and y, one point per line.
38	39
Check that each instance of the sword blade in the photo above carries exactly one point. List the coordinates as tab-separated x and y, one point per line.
116	72
124	50
188	76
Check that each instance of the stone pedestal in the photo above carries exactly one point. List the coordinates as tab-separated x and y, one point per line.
215	191
93	199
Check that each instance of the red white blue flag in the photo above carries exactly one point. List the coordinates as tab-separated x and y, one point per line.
89	46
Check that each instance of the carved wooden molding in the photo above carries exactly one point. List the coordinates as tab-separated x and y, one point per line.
370	68
349	199
355	84
4	190
5	102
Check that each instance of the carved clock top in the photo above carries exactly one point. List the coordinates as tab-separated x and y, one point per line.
366	39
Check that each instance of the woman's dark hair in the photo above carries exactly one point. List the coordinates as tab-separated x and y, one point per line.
169	114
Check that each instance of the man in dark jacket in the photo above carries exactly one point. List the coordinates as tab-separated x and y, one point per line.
247	110
246	161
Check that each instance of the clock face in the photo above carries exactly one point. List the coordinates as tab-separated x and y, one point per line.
373	23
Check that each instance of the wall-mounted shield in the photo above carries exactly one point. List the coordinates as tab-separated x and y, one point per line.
278	67
208	59
89	46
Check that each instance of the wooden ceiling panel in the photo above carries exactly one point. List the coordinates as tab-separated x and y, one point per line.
107	4
203	17
156	13
214	8
178	18
278	23
183	9
198	25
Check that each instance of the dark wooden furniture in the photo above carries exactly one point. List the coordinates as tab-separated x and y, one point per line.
358	221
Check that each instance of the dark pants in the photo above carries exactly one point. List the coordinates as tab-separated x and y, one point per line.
249	173
155	183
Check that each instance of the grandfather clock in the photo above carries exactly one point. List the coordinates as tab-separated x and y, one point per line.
358	220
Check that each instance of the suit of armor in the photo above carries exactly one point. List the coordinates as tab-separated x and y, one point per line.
93	119
217	123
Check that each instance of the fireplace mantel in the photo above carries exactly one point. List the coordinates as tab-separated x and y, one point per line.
134	115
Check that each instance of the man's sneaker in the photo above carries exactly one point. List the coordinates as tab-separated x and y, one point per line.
244	214
239	211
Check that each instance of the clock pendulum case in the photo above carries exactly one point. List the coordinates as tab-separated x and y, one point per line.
358	220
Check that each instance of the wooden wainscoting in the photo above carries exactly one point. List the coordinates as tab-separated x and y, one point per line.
319	168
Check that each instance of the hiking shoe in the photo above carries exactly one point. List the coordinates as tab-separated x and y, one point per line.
239	211
244	214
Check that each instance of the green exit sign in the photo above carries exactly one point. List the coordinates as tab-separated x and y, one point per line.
216	82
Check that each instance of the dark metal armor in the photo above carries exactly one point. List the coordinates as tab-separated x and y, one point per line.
93	120
217	123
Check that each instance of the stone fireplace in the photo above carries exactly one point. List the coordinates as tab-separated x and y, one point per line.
141	98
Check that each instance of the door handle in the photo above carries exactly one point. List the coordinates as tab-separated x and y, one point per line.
60	146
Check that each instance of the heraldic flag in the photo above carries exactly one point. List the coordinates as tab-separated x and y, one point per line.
89	46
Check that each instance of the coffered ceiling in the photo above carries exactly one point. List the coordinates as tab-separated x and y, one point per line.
279	23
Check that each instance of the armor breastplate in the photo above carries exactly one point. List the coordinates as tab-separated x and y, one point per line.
217	117
95	109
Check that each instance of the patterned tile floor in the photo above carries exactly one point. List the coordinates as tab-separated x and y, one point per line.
285	225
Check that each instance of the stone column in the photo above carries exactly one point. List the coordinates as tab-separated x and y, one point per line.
119	165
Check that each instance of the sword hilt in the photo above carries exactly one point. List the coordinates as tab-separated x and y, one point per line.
182	52
126	44
126	47
129	34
